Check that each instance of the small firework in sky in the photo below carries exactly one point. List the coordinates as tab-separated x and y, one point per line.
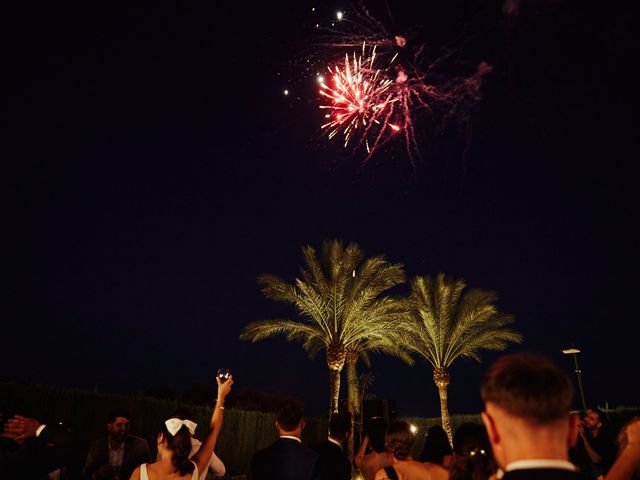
383	83
359	97
371	101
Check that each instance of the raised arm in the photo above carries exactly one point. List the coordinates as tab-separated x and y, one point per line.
361	451
593	455
201	457
216	466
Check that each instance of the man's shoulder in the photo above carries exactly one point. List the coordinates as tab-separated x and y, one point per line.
328	448
546	473
322	446
286	445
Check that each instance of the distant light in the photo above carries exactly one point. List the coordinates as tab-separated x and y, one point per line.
286	92
320	78
317	25
339	15
413	429
569	351
353	274
313	9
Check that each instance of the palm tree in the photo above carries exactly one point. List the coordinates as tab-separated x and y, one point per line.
450	322
340	306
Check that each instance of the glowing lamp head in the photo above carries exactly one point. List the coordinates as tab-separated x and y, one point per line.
569	351
339	15
286	92
413	429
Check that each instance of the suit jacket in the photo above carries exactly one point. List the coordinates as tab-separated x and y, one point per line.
36	457
286	459
543	474
136	452
332	463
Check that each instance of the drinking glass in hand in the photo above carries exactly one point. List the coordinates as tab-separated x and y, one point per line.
223	374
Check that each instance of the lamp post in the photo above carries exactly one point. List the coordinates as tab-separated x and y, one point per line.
575	352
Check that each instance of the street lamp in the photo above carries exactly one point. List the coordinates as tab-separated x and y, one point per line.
575	352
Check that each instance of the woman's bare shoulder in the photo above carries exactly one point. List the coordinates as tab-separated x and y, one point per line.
136	474
435	471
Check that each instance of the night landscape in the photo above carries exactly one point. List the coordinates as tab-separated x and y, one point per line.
160	158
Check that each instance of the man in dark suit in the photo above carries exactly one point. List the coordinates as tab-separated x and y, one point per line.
287	458
333	462
527	400
118	454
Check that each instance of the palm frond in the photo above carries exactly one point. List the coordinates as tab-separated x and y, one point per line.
292	330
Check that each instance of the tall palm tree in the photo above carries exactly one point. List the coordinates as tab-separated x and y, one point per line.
451	322
340	304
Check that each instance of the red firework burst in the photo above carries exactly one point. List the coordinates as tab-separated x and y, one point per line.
360	99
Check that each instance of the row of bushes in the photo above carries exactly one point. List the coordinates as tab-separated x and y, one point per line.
243	432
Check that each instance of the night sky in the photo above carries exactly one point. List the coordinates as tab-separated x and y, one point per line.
153	169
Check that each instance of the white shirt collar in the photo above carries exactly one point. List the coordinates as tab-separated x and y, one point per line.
336	442
291	438
121	447
540	463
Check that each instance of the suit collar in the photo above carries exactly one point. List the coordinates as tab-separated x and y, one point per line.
539	464
289	437
335	442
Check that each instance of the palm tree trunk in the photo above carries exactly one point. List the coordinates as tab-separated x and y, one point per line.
335	362
334	390
441	379
354	397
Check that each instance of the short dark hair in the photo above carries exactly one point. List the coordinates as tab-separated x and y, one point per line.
290	415
399	439
597	411
376	430
340	425
530	386
117	412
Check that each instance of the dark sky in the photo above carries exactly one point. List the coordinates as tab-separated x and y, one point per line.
154	168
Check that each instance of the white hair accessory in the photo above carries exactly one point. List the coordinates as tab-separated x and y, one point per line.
175	424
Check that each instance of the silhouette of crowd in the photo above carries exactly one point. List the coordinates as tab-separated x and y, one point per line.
527	432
